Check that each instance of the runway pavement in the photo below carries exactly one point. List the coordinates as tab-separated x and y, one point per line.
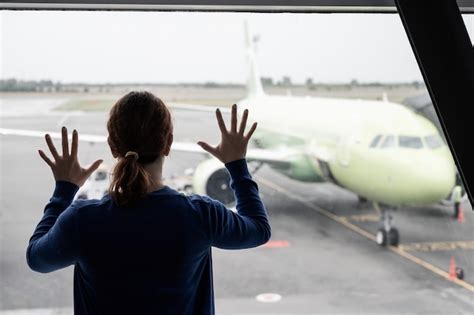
321	259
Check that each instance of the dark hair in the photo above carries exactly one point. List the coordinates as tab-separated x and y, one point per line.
138	122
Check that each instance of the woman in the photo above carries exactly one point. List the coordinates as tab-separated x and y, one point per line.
144	248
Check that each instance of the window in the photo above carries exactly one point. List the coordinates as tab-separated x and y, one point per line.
388	142
433	141
375	141
410	142
325	78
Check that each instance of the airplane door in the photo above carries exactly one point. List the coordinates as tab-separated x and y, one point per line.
349	137
344	150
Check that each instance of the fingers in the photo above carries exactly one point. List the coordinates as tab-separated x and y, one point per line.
93	167
220	121
207	147
251	131
75	143
65	142
233	119
51	147
45	158
243	122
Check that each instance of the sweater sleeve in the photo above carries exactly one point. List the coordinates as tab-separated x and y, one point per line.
247	228
55	243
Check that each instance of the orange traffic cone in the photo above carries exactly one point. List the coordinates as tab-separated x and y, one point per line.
452	269
460	215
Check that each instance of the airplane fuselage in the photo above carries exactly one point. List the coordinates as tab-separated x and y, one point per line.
406	167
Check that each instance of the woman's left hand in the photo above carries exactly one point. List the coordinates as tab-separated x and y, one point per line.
66	167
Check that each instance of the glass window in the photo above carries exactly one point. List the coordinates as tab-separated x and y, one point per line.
388	142
376	141
196	62
433	141
410	142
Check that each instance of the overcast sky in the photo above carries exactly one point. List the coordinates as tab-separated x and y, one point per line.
198	47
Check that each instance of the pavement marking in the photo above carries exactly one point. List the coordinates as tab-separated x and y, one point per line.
437	246
344	221
276	244
268	297
368	217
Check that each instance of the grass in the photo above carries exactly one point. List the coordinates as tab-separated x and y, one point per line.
89	105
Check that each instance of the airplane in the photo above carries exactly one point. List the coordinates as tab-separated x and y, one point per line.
379	150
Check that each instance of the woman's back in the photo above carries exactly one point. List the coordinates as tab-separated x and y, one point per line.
156	253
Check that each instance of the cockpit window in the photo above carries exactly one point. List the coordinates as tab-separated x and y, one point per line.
375	141
101	176
388	142
410	142
433	141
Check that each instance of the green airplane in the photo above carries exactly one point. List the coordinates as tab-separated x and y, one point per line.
380	150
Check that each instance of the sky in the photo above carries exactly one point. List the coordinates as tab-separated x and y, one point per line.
164	47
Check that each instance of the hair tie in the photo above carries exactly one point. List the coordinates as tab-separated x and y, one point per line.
132	153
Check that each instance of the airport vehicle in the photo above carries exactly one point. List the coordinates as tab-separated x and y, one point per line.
97	185
381	151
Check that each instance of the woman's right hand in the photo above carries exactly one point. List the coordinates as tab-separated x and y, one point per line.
233	145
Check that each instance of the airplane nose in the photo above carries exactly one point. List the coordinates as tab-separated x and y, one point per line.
436	178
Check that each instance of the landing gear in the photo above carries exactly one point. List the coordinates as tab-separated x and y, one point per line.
387	234
384	238
362	202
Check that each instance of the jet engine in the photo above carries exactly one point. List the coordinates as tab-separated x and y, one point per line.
211	178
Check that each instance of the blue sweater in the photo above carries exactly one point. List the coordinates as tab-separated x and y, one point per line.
152	258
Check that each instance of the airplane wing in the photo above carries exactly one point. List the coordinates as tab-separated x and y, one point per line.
273	157
54	135
199	108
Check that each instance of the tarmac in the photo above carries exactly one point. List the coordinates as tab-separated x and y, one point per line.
322	258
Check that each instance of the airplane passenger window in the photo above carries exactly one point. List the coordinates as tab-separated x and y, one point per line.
433	141
410	142
388	142
375	141
355	229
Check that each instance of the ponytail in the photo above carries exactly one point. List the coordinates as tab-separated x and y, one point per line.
141	122
129	182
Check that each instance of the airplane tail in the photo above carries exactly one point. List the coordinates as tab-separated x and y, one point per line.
254	83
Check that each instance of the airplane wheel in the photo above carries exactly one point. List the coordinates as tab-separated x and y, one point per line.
381	237
393	237
459	273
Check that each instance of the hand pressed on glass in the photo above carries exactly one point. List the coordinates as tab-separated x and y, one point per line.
233	145
67	167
